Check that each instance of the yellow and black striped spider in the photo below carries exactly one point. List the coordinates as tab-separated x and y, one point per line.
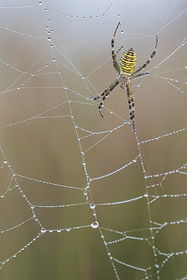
125	70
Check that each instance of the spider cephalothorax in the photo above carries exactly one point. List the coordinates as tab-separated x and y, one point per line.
125	70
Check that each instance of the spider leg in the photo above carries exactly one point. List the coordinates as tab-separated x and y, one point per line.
147	62
139	75
115	63
119	49
105	94
131	104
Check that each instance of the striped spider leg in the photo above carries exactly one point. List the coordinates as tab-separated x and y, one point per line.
105	94
125	70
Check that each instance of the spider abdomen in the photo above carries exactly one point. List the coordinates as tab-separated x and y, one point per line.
127	62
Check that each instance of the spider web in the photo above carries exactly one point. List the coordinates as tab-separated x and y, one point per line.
84	197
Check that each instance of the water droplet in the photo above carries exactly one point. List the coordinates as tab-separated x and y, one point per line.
68	229
54	59
59	230
92	206
2	195
43	230
40	2
95	224
5	161
49	38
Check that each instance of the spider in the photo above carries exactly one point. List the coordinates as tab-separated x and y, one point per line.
125	70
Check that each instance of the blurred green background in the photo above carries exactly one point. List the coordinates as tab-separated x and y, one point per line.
54	52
